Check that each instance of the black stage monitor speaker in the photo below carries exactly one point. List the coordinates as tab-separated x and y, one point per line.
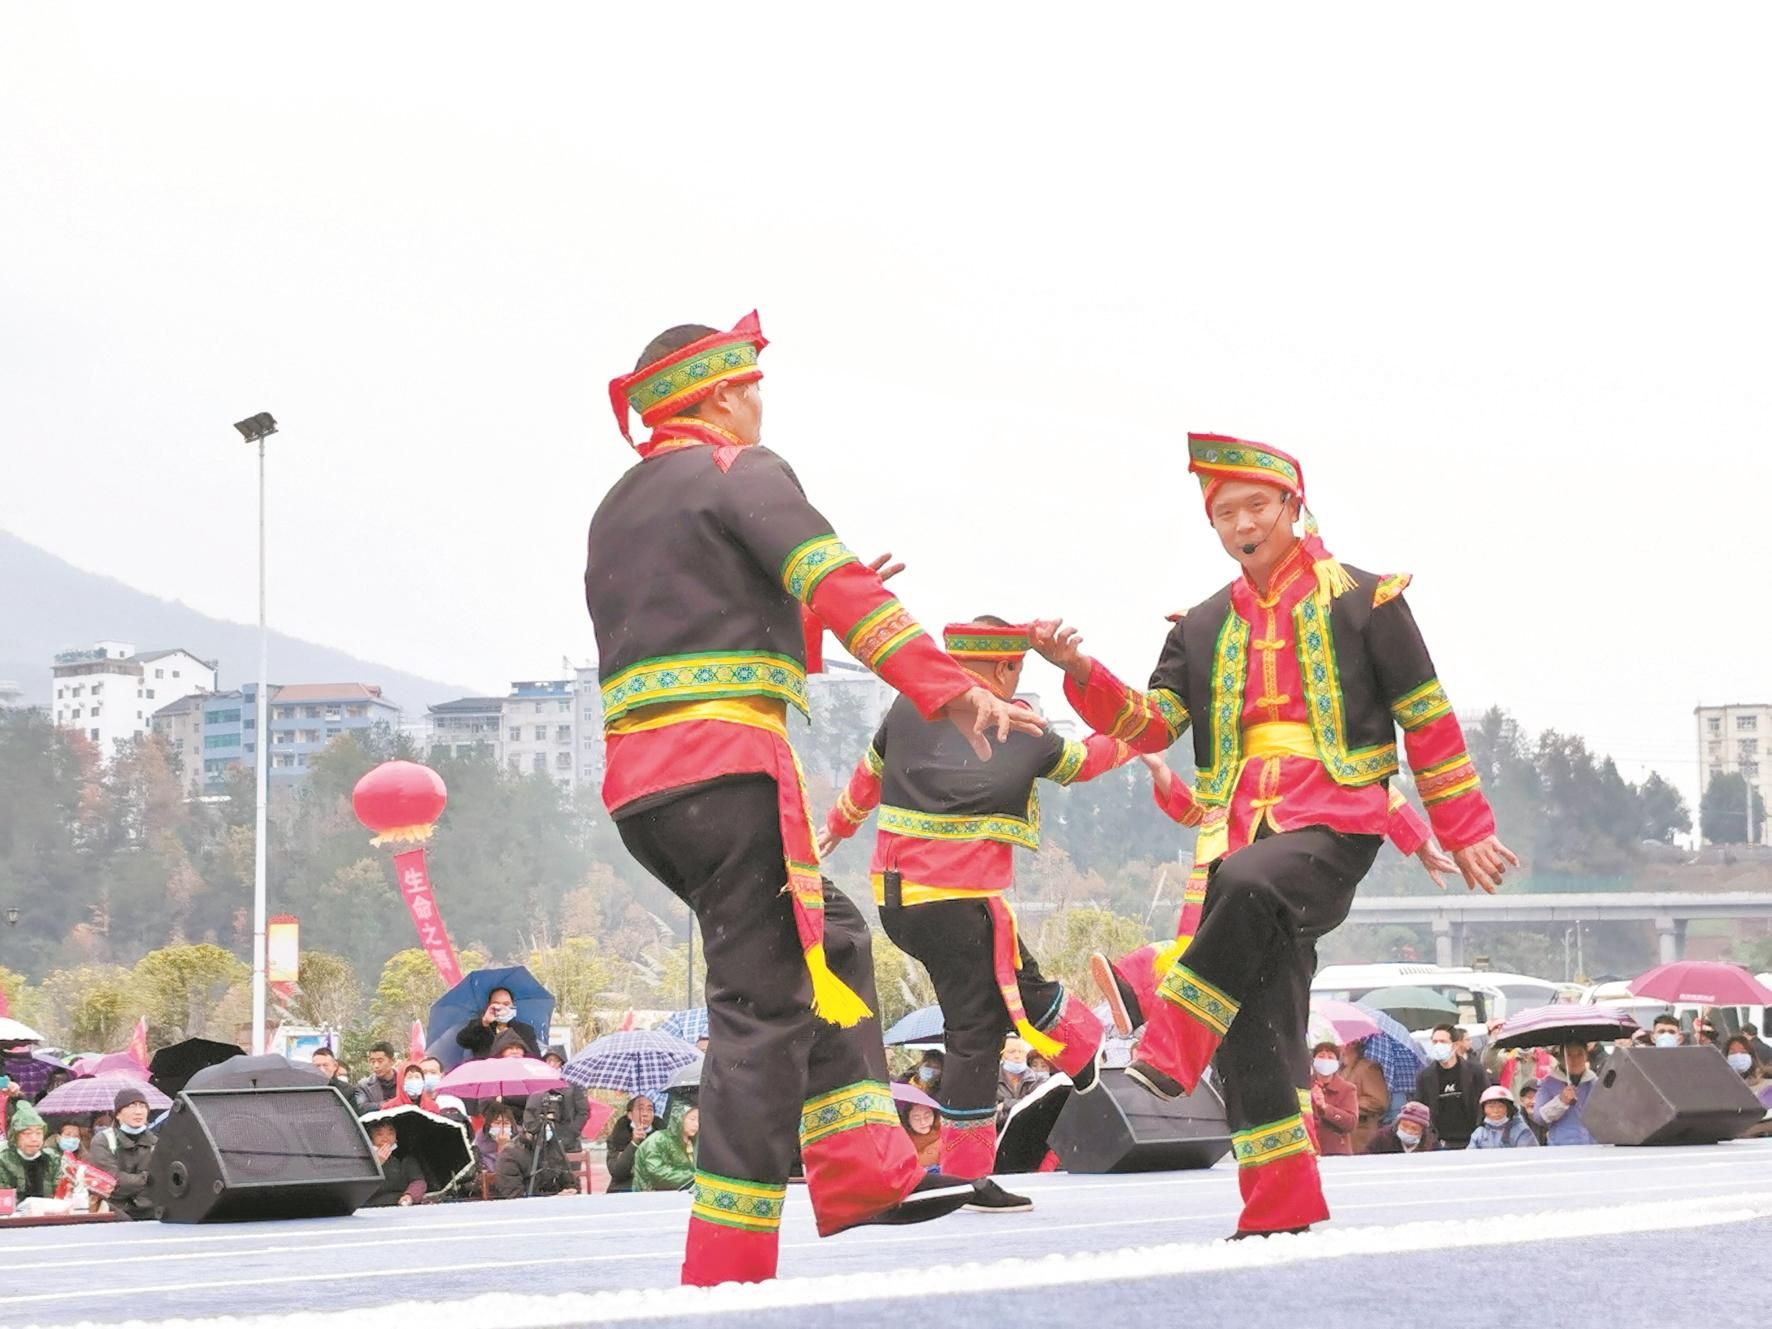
229	1155
1123	1127
1685	1095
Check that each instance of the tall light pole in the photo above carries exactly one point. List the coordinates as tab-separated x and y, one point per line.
256	430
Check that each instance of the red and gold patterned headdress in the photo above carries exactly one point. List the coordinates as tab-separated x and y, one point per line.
1216	458
682	378
985	641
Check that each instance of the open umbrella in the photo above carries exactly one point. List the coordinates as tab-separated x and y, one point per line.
442	1148
1702	983
173	1066
97	1093
15	1031
1394	1053
635	1061
501	1077
466	1001
923	1025
267	1072
1554	1026
26	1071
1339	1022
911	1096
686	1025
111	1063
1415	1008
689	1077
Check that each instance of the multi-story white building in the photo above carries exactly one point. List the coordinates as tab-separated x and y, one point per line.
539	732
463	727
180	723
107	691
1736	740
587	715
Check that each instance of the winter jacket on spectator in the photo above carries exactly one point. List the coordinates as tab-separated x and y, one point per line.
34	1177
665	1161
1455	1118
374	1092
574	1111
510	1176
620	1155
399	1176
1563	1121
479	1038
1513	1133
1373	1097
1336	1103
126	1157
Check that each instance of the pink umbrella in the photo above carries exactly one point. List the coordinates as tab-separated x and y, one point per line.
97	1093
911	1096
112	1063
501	1077
1347	1020
1702	983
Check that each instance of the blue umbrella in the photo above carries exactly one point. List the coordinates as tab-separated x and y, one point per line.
635	1061
925	1025
686	1025
466	1001
1394	1051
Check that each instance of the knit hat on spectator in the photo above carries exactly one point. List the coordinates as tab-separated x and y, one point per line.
1416	1114
130	1093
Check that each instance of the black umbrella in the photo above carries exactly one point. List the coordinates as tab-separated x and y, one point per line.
266	1072
173	1066
440	1147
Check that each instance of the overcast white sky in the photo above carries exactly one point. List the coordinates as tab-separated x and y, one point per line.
1500	276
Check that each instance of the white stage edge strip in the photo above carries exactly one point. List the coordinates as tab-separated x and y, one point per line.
1180	1260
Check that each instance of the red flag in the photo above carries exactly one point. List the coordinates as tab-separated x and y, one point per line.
138	1042
5	1009
415	888
627	1021
415	1045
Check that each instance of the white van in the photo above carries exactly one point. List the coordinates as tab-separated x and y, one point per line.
1481	995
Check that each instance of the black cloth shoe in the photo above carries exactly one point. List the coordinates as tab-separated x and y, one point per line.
1090	1076
1122	1001
1281	1232
990	1198
1166	1087
936	1196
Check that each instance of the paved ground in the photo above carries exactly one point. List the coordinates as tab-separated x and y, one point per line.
1648	1235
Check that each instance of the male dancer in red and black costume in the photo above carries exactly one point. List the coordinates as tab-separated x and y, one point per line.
1296	677
944	857
707	570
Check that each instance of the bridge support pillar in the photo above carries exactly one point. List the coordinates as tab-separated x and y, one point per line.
1670	933
1443	943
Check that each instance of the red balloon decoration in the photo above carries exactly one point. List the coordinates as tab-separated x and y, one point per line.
400	801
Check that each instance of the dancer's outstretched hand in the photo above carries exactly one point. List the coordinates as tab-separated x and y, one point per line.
1061	645
977	712
1437	862
1485	863
884	568
1163	777
827	843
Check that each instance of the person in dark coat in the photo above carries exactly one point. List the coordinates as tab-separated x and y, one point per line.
402	1180
624	1140
553	1175
1411	1133
124	1149
1335	1102
480	1037
572	1109
1452	1086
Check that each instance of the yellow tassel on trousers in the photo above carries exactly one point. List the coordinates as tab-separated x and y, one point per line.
833	1000
1047	1046
1166	956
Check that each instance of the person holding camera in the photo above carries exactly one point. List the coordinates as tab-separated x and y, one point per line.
479	1037
574	1107
533	1161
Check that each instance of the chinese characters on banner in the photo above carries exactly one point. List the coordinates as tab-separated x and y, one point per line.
415	888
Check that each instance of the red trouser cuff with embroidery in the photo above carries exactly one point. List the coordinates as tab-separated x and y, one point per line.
1179	1046
716	1253
1079	1031
968	1148
1282	1195
859	1172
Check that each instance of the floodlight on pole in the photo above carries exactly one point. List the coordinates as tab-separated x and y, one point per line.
256	429
12	915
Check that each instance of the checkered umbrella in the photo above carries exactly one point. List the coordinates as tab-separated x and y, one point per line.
635	1061
686	1025
97	1093
1394	1051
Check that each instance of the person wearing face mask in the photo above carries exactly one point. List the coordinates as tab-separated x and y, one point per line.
28	1166
125	1150
432	1071
1666	1032
1012	1078
1502	1126
71	1140
1739	1053
1452	1086
496	1130
1411	1133
411	1080
1335	1101
402	1181
927	1076
499	1017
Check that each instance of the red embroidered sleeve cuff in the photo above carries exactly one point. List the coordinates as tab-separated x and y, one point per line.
1144	721
1404	826
880	633
1179	804
858	799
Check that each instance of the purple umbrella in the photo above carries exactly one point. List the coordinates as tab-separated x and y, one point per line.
97	1093
112	1063
1701	983
1553	1026
501	1077
27	1072
911	1096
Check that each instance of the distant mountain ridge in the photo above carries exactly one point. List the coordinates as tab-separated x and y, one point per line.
48	605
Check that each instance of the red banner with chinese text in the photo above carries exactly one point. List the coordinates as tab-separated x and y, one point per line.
415	888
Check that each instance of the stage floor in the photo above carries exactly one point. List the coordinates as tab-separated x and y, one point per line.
1673	1238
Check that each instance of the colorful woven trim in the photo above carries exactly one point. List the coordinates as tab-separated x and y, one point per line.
1390	588
1194	996
876	764
1230	669
1070	762
1322	696
810	563
866	1103
1218	457
1271	1143
1139	710
1447	780
698	677
1423	706
687	375
1002	828
881	635
969	641
752	1205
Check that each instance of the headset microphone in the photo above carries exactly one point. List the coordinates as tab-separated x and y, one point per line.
1249	549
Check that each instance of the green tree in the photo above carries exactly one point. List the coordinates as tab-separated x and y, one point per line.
901	983
1068	938
583	980
1664	809
327	994
1723	811
408	987
90	1008
12	987
183	989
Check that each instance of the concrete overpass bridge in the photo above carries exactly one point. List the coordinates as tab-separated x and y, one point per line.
1452	915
